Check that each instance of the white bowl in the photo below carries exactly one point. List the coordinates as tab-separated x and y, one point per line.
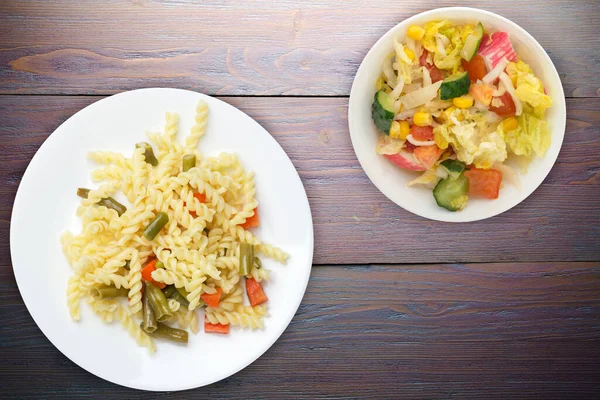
391	180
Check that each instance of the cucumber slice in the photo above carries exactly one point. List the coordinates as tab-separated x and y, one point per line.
472	43
455	86
451	194
383	111
454	168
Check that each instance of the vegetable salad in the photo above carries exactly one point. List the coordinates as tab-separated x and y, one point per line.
454	101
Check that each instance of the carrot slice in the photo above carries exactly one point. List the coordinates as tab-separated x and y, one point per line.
255	292
212	300
215	328
147	274
251	222
201	197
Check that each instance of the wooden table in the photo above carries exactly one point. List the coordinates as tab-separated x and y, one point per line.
397	306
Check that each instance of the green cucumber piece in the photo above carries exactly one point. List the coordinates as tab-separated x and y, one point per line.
454	168
472	43
455	86
451	194
383	111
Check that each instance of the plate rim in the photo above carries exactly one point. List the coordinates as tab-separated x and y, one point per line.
353	101
20	279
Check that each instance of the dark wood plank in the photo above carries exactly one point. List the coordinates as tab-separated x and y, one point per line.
418	331
262	47
559	222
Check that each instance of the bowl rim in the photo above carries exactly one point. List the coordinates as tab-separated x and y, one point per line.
557	130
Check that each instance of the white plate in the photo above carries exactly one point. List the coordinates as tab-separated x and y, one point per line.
45	206
391	180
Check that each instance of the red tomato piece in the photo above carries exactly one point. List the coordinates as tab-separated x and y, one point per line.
422	133
434	72
484	182
476	67
408	146
507	109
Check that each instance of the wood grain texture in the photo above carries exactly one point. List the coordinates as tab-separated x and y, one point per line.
417	331
250	48
354	223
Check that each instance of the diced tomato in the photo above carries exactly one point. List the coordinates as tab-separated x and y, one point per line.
484	182
476	67
255	293
423	59
507	109
408	146
427	155
436	74
422	132
215	328
252	222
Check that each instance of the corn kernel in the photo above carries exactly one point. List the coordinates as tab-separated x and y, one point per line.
409	53
513	79
404	129
460	117
379	83
465	101
415	32
510	124
440	140
422	119
395	130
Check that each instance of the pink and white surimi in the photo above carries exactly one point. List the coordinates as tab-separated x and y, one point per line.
495	46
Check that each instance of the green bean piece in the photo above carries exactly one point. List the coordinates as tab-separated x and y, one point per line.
148	153
82	192
257	262
156	225
189	161
169	290
174	334
107	202
127	265
149	323
177	295
183	292
158	302
246	258
108	292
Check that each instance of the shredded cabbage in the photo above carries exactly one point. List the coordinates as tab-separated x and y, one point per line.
402	62
532	135
529	88
427	179
388	145
431	29
421	96
470	146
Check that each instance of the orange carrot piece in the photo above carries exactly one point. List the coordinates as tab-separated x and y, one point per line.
201	197
212	300
147	274
215	328
252	222
255	292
